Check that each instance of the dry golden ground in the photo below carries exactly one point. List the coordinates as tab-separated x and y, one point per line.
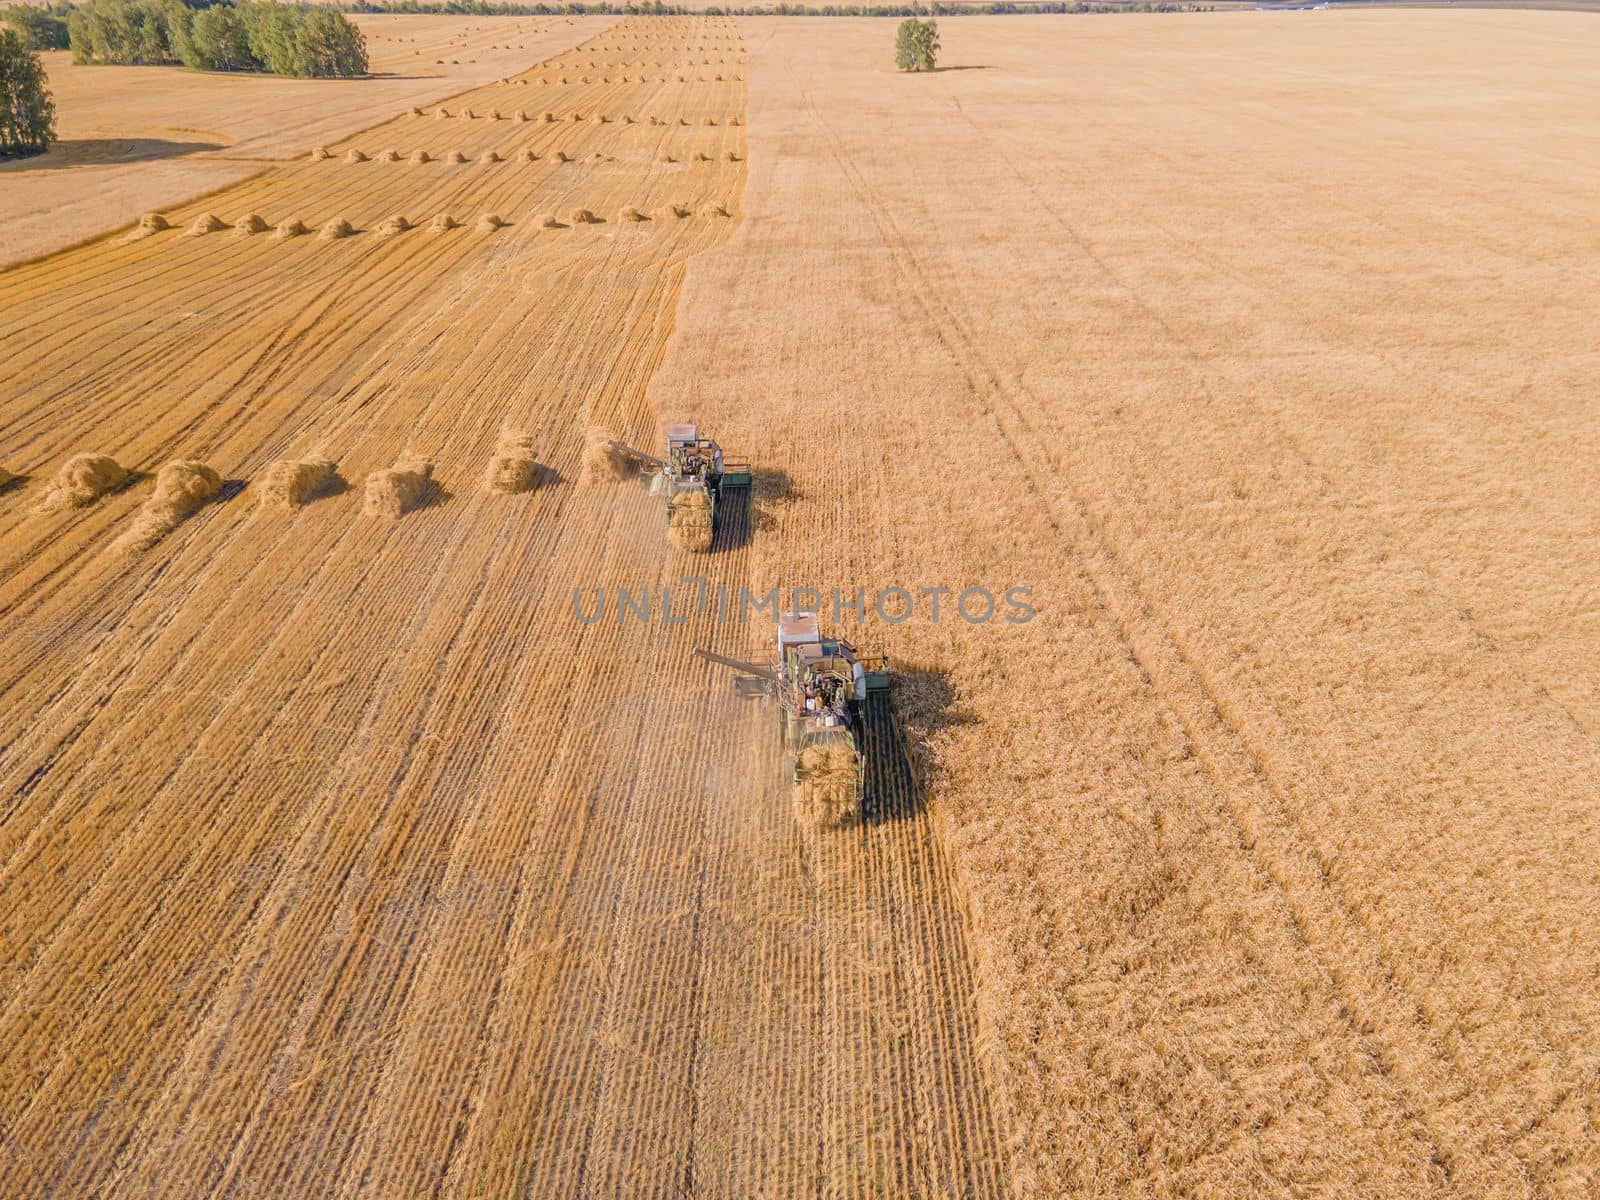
339	858
138	138
1263	347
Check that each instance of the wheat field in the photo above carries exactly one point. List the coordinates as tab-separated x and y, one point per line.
342	856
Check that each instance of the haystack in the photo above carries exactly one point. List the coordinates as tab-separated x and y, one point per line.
530	156
181	487
337	228
582	216
320	153
150	223
490	156
667	158
82	480
563	156
735	121
714	210
711	121
603	463
701	156
203	224
494	115
631	215
440	114
828	788
289	229
6	479
468	115
416	112
442	222
397	490
549	118
522	114
456	157
419	157
390	155
489	222
548	221
513	470
732	156
689	521
391	226
249	225
354	156
674	211
292	483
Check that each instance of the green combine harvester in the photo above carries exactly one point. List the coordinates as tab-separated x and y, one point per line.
821	688
693	477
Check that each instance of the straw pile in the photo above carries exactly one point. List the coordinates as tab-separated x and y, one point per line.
440	114
203	224
249	225
150	223
490	156
678	211
391	226
468	115
82	480
320	154
442	222
6	478
416	112
689	520
397	490
335	229
522	114
419	156
530	156
582	216
354	156
563	156
513	470
827	790
489	222
701	156
548	221
603	463
289	229
714	209
390	155
292	483
456	157
631	214
181	487
549	118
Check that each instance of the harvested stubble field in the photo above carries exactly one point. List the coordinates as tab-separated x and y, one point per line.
340	858
137	138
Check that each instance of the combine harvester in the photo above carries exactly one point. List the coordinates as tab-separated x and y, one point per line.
822	688
692	477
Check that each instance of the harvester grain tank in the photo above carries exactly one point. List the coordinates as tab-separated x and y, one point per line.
821	688
693	478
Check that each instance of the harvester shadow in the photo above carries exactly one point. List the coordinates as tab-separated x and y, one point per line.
771	490
895	739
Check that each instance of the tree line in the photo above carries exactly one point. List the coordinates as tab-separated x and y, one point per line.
247	35
629	8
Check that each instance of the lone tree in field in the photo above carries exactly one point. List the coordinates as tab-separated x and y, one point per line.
27	112
917	45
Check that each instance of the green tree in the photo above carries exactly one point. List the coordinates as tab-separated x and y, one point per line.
44	30
27	111
916	46
217	39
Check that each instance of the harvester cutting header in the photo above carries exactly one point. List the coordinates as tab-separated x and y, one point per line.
822	688
692	477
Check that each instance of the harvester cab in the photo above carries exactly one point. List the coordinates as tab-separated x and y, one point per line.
821	688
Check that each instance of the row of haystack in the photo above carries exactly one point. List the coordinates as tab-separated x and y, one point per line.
339	227
285	486
181	487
